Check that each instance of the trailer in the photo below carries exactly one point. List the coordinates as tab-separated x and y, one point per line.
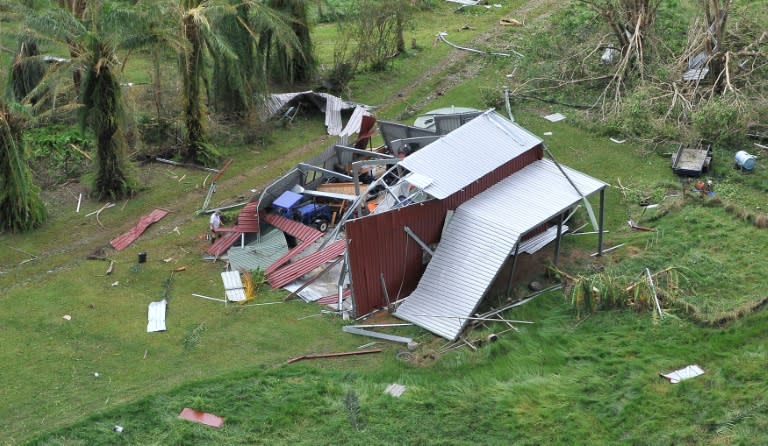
692	161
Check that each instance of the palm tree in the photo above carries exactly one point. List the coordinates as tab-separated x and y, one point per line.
294	63
93	44
222	33
21	208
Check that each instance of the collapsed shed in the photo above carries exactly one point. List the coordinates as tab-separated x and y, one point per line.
491	173
448	214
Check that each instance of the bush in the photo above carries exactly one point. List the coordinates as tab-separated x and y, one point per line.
721	122
57	153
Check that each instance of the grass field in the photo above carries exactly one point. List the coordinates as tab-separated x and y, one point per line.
562	380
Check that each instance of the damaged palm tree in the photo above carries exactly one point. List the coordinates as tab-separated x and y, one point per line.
631	22
21	208
95	43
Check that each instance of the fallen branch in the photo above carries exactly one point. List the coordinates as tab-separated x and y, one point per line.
332	355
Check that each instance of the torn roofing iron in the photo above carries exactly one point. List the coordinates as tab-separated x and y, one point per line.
306	234
331	105
294	270
480	237
294	228
122	241
468	153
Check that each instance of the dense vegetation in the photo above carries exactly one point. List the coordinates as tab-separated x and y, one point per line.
586	372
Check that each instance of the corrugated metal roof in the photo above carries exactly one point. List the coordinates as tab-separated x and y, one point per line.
480	237
156	316
531	196
233	286
469	153
293	271
463	267
258	255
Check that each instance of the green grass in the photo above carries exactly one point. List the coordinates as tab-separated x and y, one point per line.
562	380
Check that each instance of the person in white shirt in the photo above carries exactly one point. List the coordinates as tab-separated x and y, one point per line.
215	224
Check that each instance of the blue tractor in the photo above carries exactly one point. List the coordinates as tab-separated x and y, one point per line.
293	206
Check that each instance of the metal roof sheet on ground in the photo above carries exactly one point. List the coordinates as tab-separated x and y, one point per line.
122	241
233	286
156	316
293	271
479	238
469	153
258	254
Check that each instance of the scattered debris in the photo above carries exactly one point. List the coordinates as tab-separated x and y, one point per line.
116	283
156	316
618	141
555	117
688	372
201	417
209	298
634	225
395	390
441	36
111	267
547	133
96	374
79	200
509	21
605	251
332	355
67	317
117	428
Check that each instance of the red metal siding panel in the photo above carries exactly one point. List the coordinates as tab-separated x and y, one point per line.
379	245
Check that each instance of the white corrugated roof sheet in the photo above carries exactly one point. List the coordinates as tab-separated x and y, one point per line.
469	153
233	286
479	238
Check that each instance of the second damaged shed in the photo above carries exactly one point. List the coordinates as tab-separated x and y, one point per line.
491	172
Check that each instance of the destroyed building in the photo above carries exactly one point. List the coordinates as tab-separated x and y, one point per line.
422	225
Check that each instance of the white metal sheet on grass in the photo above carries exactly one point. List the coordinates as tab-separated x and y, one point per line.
156	316
233	286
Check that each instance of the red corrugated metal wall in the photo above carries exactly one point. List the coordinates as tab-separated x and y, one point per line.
378	243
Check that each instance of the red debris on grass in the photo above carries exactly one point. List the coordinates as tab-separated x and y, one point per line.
122	241
201	417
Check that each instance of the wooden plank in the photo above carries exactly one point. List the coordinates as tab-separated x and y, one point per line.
332	355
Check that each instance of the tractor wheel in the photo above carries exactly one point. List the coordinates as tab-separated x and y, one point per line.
322	225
